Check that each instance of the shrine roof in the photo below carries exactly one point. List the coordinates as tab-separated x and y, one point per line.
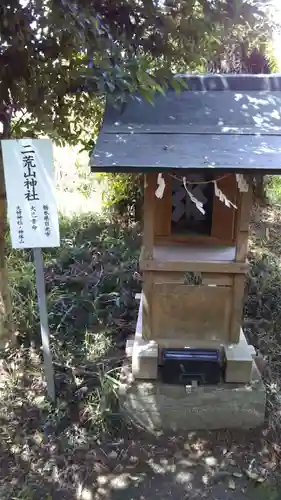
226	122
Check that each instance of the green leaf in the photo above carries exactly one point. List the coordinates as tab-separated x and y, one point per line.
46	53
176	86
147	95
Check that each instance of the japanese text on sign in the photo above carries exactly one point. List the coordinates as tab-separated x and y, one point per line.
29	165
29	179
47	220
20	225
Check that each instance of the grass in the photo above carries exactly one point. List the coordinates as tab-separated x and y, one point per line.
274	189
90	287
91	283
90	292
262	314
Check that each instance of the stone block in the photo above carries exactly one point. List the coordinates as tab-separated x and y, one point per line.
145	360
239	361
143	354
159	407
129	347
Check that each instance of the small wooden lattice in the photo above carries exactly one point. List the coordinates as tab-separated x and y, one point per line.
185	215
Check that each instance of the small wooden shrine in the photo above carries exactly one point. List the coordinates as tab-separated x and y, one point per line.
199	151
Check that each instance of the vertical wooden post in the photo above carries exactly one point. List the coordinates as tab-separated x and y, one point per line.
223	217
242	236
237	307
148	216
242	228
44	323
148	244
7	330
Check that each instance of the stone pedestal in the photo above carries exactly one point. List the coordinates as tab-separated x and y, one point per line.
159	407
239	402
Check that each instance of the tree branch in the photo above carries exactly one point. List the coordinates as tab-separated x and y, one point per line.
16	125
5	119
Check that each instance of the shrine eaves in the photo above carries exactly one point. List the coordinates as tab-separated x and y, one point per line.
224	122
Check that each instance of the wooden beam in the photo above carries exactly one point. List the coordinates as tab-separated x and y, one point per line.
237	307
203	267
146	305
223	217
148	215
242	228
218	279
163	210
242	246
245	209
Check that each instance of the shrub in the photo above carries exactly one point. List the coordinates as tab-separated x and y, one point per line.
123	195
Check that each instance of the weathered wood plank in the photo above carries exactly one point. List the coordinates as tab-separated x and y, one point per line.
172	151
237	307
146	305
207	278
223	217
148	215
204	267
242	226
242	246
205	108
163	210
200	312
191	253
246	203
193	239
191	129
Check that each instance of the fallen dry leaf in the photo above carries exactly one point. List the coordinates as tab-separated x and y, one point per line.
231	484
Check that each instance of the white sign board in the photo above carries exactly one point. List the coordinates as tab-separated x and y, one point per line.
30	188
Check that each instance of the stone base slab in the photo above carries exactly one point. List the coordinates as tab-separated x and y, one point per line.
159	407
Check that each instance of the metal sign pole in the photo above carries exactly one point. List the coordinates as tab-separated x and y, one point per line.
45	333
